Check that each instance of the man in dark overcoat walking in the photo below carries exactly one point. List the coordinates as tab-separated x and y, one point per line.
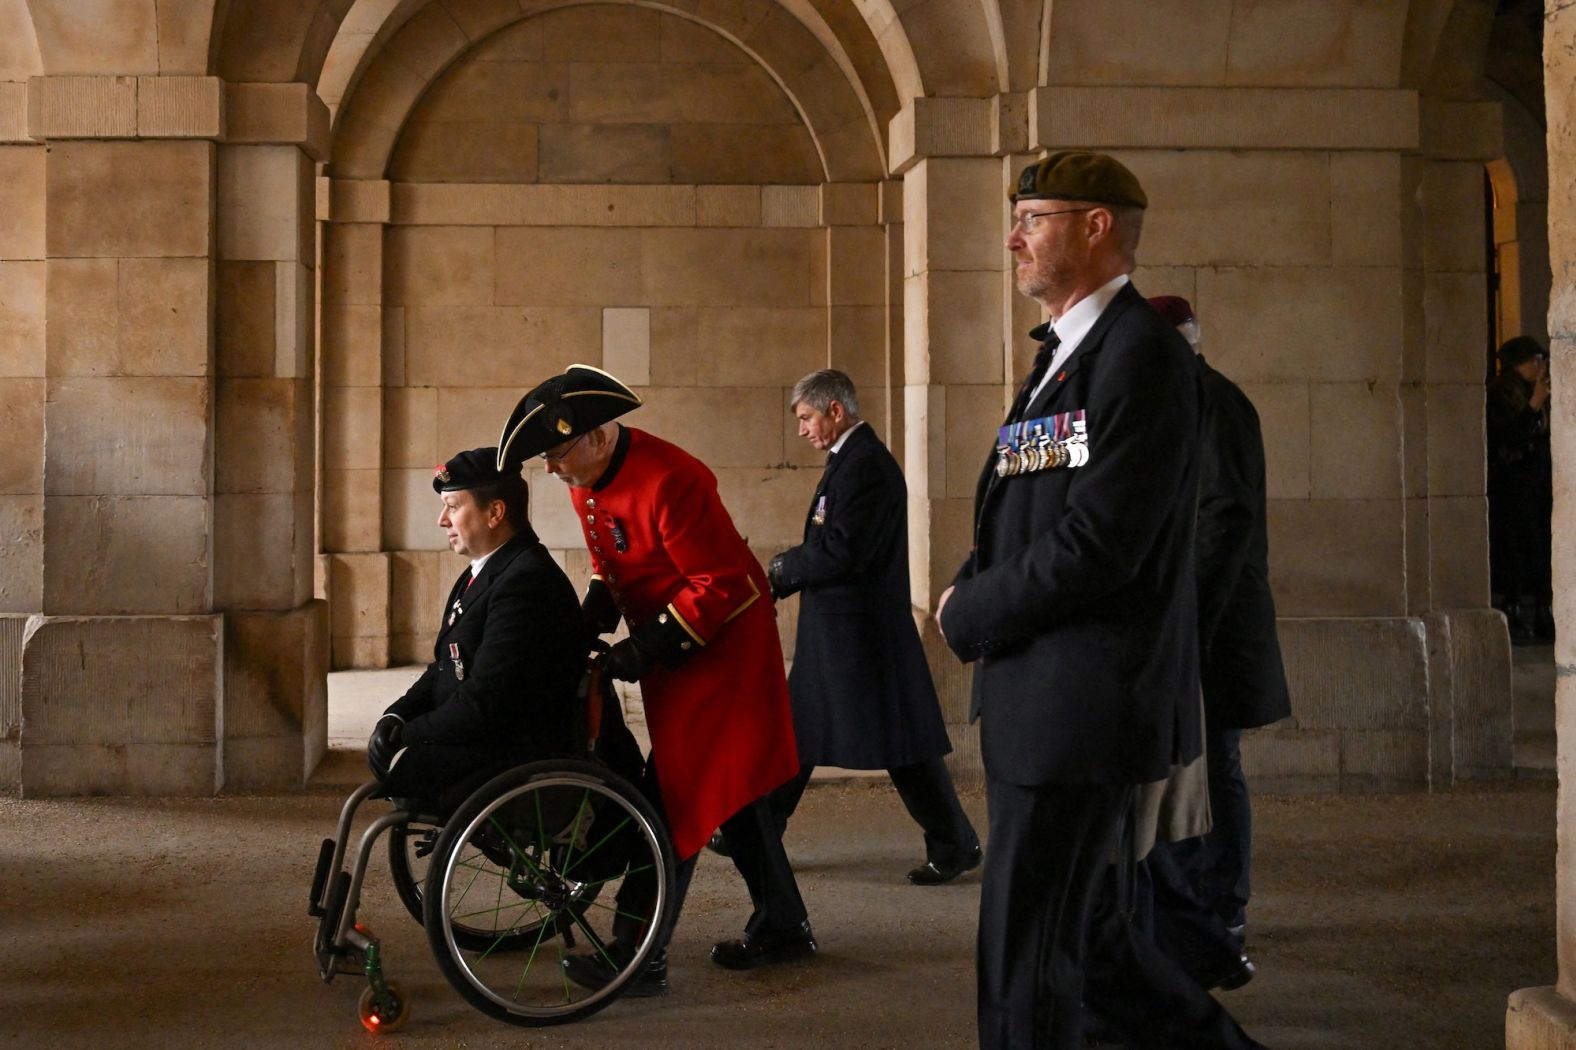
1244	678
1078	608
861	690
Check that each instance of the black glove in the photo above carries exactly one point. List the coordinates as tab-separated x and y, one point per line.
598	611
384	744
627	661
775	578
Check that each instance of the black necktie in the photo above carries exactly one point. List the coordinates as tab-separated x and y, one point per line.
1042	361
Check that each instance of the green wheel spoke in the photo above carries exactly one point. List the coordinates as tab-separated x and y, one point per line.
574	832
604	840
618	911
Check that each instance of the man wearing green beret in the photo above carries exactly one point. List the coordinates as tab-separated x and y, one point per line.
1078	610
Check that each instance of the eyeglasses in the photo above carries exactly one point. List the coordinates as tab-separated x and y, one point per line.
1030	219
557	457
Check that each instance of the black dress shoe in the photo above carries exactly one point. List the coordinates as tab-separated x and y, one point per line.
932	874
718	845
592	970
762	947
1233	978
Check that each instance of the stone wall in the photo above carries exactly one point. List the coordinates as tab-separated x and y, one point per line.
705	263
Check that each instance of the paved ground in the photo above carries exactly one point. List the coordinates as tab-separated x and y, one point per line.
1379	923
1391	922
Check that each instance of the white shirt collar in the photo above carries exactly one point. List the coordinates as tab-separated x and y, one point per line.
1073	325
477	563
837	446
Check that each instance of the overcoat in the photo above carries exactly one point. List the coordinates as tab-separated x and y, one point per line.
861	690
509	656
1078	604
660	538
1243	675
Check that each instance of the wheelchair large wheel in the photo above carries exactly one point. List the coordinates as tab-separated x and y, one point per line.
410	852
554	853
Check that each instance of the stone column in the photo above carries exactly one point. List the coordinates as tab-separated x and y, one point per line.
358	569
122	671
955	359
275	631
171	646
857	295
1545	1018
22	269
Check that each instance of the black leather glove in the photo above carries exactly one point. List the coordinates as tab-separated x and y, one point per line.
384	744
627	661
598	611
775	578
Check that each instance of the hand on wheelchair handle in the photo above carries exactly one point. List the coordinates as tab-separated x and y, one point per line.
626	661
384	744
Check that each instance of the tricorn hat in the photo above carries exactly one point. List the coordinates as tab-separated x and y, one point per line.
468	470
560	408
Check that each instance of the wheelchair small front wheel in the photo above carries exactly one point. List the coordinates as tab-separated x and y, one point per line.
554	853
387	1016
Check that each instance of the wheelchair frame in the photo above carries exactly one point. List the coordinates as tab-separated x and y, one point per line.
525	834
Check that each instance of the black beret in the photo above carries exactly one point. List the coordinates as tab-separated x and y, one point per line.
1076	175
560	408
468	470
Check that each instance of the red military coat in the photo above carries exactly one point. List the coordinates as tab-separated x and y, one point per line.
721	728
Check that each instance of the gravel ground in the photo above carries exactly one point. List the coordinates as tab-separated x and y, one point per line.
1381	922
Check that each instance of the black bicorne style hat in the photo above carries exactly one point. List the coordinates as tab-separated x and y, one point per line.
560	408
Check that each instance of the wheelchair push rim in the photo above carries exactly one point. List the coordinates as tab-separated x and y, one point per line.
528	872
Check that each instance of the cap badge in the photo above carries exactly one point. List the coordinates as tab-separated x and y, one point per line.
564	428
441	473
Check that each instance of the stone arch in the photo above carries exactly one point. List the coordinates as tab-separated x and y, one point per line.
20	56
818	79
941	48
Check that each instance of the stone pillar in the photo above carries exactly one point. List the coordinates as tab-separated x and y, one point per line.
354	364
121	673
171	644
1545	1018
1470	703
22	269
955	358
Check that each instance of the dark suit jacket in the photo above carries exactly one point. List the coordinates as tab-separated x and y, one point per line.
1078	604
861	689
1244	679
522	649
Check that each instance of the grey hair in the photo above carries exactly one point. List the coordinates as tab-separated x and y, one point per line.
1129	228
819	389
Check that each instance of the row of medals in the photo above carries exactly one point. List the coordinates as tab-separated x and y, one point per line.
1042	453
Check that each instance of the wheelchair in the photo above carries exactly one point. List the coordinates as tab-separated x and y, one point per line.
521	871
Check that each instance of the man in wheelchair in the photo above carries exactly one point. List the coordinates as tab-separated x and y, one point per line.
509	655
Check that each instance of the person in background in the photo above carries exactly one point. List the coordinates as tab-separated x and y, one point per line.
861	690
1521	490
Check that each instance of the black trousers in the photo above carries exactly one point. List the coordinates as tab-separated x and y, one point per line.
442	775
1168	909
927	793
1219	863
756	846
1055	931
